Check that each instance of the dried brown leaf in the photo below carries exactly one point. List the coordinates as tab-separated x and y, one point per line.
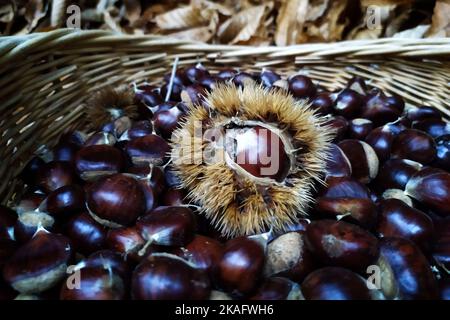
290	20
413	33
440	26
244	25
6	13
316	9
132	10
184	17
35	10
331	27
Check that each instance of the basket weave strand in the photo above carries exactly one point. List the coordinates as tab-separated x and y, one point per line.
46	77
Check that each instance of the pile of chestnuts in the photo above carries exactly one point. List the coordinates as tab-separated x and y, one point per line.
102	215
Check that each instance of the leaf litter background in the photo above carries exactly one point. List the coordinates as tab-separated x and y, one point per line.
245	22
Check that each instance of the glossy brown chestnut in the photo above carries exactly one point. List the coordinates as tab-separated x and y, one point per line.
395	174
414	145
339	124
241	266
116	200
362	212
86	234
126	241
93	284
227	73
322	103
203	252
397	219
151	149
442	152
302	87
359	128
30	171
97	161
348	104
333	283
268	77
180	77
432	188
8	218
193	94
168	277
149	194
381	109
195	73
108	259
101	138
338	243
30	201
148	95
168	226
422	113
278	288
151	175
364	161
65	151
173	197
241	79
54	175
252	151
381	139
39	264
175	94
434	127
166	122
65	201
338	165
406	272
441	249
344	187
357	84
287	256
138	129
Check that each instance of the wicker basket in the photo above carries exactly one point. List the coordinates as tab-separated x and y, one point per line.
45	77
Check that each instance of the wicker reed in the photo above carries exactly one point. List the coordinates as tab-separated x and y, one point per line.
46	77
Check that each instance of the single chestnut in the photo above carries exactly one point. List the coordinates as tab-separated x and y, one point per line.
397	219
54	175
193	94
150	175
360	211
175	93
93	283
422	113
203	252
287	256
173	197
406	273
149	194
344	187
381	109
30	171
363	159
359	128
338	165
395	174
138	129
432	188
414	145
116	200
195	73
168	277
241	79
97	161
268	77
30	201
381	140
65	201
334	283
127	241
148	95
434	127
110	260
278	288
180	76
101	138
348	104
341	244
227	73
150	149
322	103
168	226
39	264
441	248
302	87
241	266
86	234
339	124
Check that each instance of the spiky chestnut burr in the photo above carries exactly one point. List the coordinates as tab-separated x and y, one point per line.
222	167
109	104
